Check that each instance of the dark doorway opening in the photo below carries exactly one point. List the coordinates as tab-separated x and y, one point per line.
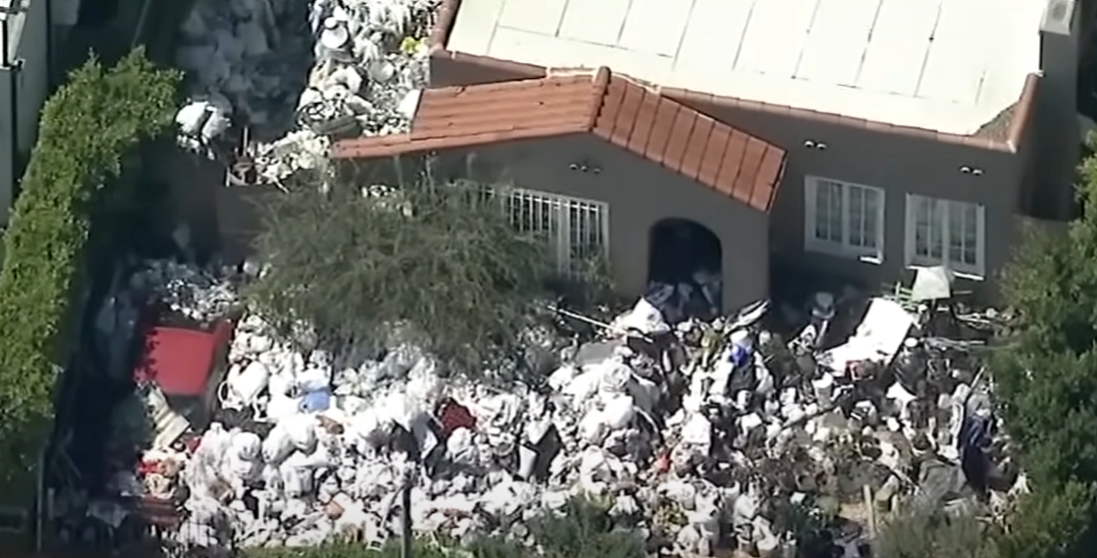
685	263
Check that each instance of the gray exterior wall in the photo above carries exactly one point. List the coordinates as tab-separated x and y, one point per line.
1057	130
24	85
639	194
898	164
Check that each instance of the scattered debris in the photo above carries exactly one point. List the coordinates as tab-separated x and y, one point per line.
698	433
296	73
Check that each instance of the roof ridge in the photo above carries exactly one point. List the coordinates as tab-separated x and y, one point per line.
598	97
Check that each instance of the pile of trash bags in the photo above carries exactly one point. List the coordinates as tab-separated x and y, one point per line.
295	73
698	435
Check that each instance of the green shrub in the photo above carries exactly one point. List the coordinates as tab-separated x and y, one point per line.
88	128
1046	386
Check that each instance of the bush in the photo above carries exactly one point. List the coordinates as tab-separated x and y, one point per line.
583	530
1046	386
924	532
88	129
438	259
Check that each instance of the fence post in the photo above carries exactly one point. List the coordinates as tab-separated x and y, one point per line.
406	535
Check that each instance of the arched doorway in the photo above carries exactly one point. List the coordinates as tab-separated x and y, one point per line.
688	257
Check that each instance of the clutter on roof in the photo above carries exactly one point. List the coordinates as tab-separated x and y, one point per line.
697	431
296	73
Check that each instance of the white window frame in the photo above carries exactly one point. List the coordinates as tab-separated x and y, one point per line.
966	270
569	224
844	246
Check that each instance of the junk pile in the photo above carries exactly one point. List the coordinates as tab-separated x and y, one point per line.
295	73
700	436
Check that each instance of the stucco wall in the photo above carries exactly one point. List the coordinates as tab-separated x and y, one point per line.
640	194
899	165
7	139
24	85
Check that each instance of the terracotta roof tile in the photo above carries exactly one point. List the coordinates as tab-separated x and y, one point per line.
614	108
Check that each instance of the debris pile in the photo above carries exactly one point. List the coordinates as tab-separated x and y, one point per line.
295	73
700	435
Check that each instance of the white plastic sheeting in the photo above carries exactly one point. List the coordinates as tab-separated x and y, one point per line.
296	71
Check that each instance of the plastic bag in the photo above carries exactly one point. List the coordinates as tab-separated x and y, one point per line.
246	446
278	446
302	432
297	481
242	469
619	412
192	117
460	447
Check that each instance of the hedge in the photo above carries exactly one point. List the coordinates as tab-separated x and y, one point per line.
87	128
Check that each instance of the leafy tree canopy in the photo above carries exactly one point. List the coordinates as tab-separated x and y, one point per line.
1046	385
441	261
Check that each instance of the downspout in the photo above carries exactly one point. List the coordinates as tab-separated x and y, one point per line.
17	163
140	27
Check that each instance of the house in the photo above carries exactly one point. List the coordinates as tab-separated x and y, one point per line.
604	165
917	132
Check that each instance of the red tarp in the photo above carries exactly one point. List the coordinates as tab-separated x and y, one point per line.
180	360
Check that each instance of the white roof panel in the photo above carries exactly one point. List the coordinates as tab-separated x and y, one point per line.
654	27
901	27
775	37
535	16
958	54
836	41
945	65
593	21
713	35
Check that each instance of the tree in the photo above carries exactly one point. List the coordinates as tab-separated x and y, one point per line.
89	129
1046	385
438	260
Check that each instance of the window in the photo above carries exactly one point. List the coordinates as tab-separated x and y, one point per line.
945	232
844	219
577	231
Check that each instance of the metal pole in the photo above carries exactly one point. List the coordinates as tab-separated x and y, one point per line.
406	535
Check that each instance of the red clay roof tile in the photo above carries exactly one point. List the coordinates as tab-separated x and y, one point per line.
611	107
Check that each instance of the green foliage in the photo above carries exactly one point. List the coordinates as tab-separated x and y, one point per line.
583	529
421	549
1052	522
1046	385
87	130
924	532
440	260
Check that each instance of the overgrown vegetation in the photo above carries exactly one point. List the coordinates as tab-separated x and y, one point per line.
1047	386
926	532
440	260
583	529
88	131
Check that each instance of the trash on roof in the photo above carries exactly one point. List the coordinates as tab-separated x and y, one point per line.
296	73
